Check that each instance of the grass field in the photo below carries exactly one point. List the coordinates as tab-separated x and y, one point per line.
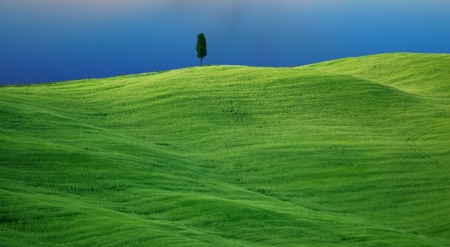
350	152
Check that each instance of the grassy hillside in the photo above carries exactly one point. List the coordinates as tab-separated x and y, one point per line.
352	152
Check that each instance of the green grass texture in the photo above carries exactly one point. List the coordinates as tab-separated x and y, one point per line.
349	152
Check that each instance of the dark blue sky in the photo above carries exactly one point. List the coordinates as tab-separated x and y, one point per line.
54	40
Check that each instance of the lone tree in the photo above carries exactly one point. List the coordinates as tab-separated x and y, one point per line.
201	47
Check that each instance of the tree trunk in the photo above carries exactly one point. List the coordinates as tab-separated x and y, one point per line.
201	62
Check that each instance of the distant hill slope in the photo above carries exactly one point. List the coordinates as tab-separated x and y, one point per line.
425	74
351	152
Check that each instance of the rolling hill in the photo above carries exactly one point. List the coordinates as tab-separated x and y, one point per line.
349	152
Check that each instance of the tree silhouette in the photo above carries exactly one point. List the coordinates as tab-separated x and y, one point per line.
201	47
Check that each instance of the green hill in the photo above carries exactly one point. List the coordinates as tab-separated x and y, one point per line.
351	152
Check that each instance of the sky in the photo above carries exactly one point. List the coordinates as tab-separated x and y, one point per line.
54	40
